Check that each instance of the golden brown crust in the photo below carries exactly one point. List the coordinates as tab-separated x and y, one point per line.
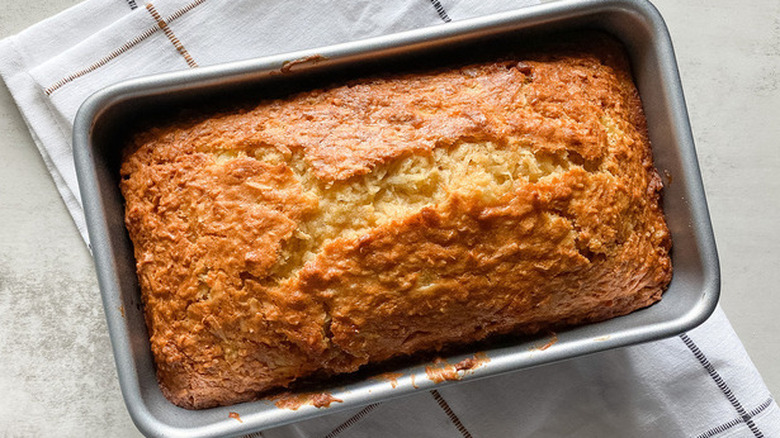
252	277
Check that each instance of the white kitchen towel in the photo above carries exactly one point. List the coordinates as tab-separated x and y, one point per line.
701	384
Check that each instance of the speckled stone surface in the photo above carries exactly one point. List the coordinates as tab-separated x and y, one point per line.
57	376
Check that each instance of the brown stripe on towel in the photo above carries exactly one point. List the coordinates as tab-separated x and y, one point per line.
100	62
181	11
120	50
171	36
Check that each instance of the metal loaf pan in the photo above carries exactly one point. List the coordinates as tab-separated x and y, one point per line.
102	124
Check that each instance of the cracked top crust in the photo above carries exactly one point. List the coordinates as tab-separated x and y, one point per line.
340	227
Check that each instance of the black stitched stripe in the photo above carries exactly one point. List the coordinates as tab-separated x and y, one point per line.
352	420
722	385
132	4
760	408
447	410
254	435
728	425
440	10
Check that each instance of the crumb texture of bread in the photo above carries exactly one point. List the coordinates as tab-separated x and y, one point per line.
347	226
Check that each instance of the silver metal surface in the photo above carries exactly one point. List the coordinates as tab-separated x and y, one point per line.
109	114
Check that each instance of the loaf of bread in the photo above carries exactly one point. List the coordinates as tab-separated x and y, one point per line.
340	227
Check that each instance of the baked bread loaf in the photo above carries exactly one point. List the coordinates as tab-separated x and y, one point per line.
346	226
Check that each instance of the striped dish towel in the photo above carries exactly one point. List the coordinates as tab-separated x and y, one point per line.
701	384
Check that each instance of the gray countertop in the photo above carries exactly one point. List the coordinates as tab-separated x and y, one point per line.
57	376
